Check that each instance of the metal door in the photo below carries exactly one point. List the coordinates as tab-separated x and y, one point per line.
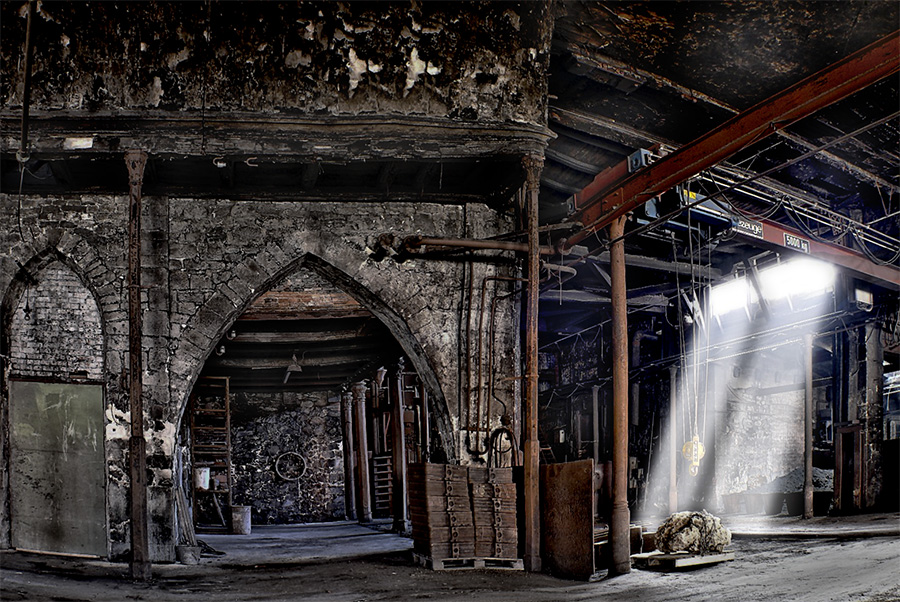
57	468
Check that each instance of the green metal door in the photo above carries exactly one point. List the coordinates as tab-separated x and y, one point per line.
57	468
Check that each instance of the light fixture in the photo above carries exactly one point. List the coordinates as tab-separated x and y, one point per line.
220	350
864	299
732	295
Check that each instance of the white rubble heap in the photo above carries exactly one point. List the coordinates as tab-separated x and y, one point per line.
697	532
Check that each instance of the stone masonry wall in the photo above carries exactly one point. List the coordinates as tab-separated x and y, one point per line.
56	331
307	424
204	262
88	233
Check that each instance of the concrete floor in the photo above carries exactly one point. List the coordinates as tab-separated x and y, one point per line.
829	560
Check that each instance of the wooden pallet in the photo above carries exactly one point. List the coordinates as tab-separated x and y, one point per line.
680	560
455	564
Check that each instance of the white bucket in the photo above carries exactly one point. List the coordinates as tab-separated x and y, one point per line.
240	520
201	478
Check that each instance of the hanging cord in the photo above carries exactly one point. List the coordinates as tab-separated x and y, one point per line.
22	155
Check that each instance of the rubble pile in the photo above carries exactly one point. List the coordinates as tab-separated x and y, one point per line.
697	532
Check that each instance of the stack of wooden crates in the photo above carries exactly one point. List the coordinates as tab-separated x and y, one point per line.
463	517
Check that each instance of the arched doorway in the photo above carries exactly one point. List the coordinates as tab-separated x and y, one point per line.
265	428
53	340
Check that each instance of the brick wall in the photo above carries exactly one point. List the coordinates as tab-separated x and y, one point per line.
55	332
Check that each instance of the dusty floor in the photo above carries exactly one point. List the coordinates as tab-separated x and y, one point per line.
303	564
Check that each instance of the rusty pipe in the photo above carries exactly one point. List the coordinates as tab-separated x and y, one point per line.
479	362
490	393
416	242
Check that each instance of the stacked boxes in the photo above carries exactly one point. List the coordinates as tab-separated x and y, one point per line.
460	512
493	496
440	511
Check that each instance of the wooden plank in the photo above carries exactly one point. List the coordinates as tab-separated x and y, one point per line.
659	560
473	563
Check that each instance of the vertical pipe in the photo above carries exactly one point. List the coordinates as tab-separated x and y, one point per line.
533	165
596	393
363	489
673	439
808	427
426	427
349	463
619	528
398	458
22	155
135	161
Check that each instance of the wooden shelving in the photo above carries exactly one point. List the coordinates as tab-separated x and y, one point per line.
211	449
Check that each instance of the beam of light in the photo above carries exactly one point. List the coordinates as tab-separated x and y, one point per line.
747	442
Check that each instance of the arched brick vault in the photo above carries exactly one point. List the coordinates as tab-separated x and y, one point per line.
79	257
224	307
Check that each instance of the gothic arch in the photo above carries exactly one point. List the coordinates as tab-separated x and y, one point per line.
219	313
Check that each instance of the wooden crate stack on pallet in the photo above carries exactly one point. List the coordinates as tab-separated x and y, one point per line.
463	517
494	512
440	511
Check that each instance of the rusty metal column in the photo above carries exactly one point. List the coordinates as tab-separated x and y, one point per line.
398	459
349	464
135	161
619	535
532	517
673	441
364	493
808	427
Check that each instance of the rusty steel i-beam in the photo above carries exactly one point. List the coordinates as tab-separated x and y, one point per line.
136	160
836	82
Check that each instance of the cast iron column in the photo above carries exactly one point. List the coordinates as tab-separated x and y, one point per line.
398	456
532	558
808	419
619	536
349	464
364	507
136	160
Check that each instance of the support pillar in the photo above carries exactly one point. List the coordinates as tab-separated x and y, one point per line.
808	420
349	460
363	489
532	555
398	459
619	535
871	415
673	439
135	161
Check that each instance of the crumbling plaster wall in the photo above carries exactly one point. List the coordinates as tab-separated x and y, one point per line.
473	61
204	261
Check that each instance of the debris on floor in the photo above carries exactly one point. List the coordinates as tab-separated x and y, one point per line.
696	532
